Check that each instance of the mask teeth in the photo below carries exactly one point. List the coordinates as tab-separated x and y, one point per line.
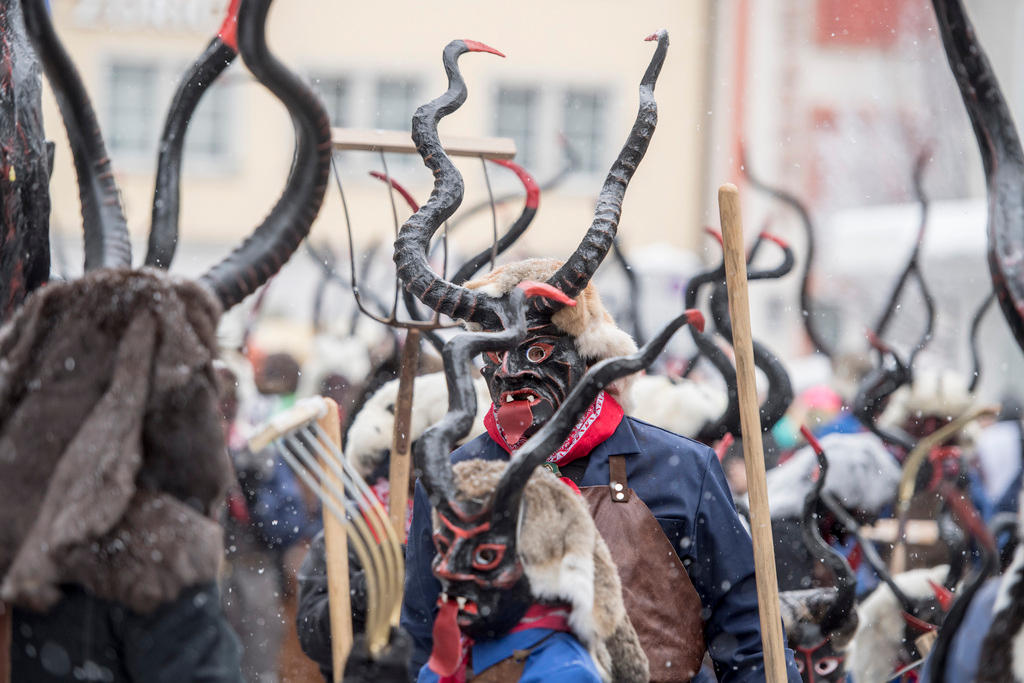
462	602
444	597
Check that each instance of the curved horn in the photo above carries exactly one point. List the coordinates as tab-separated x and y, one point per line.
218	56
846	583
277	237
107	244
413	240
633	280
574	275
875	389
433	449
806	305
473	265
780	387
979	315
918	178
729	421
554	432
868	550
1001	156
572	162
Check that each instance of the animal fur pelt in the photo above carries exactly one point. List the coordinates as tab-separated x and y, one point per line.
876	644
939	393
566	560
368	442
683	407
112	460
806	608
863	475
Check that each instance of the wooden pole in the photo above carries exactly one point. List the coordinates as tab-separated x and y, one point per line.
401	457
336	549
772	643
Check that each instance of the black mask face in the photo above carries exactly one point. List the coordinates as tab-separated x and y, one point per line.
529	382
819	662
480	571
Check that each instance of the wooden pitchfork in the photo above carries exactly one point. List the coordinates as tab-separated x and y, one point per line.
308	439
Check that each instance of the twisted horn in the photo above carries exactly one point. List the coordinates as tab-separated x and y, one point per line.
1001	156
806	304
432	450
277	237
473	265
413	240
508	493
633	307
912	263
218	56
729	421
846	583
574	275
875	389
780	388
107	244
979	315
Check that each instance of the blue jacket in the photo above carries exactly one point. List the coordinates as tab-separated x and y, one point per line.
682	483
559	659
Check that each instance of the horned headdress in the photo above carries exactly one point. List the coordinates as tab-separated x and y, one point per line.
108	413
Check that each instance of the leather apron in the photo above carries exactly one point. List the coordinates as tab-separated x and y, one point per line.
660	599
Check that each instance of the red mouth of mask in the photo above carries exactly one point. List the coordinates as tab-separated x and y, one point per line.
515	416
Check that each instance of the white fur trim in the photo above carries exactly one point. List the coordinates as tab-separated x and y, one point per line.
877	641
682	408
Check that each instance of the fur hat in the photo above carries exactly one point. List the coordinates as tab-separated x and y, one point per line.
588	322
565	559
368	442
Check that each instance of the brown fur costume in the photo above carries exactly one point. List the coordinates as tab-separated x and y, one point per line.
111	455
566	560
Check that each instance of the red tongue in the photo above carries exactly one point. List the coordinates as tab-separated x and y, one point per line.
447	652
514	418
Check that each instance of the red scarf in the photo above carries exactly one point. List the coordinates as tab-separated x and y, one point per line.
599	422
552	617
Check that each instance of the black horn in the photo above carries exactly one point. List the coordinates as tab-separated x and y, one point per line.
574	275
1001	156
277	237
107	244
413	241
218	56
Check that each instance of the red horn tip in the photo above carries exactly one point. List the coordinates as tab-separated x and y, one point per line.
811	440
547	291
653	36
477	46
695	318
942	594
715	234
775	238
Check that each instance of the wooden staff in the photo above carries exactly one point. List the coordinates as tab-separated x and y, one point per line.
401	457
336	550
772	643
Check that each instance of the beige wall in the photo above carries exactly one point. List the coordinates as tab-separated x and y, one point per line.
549	44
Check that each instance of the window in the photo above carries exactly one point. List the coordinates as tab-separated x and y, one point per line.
334	93
132	119
396	102
583	121
138	96
517	119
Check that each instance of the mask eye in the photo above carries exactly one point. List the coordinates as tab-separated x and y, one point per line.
799	665
826	665
441	543
538	353
495	357
487	556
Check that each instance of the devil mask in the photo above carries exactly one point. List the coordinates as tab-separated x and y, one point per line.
480	573
530	381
